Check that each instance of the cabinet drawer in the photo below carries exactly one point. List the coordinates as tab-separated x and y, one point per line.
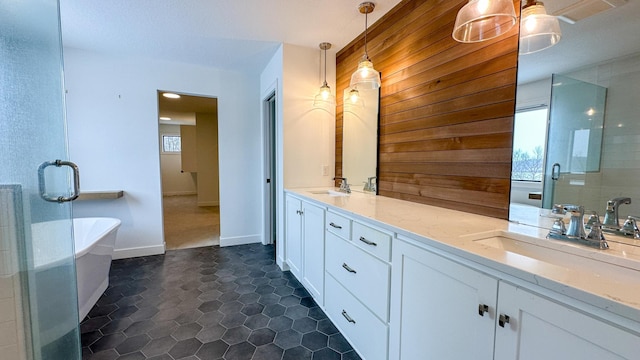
365	276
339	225
366	333
372	241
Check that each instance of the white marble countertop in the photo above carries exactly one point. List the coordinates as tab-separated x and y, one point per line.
614	286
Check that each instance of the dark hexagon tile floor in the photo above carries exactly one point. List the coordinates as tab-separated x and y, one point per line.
207	304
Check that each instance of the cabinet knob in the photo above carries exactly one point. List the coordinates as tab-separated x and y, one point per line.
482	308
503	319
348	268
364	240
346	316
335	226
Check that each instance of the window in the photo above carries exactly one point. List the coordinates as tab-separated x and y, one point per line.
171	143
529	142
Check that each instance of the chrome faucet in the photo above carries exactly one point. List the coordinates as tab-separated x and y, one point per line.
576	223
575	232
370	185
596	237
611	219
344	186
630	227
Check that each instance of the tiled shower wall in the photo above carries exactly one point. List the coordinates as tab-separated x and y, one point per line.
12	344
620	161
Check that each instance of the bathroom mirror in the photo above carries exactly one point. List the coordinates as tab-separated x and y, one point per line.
598	50
360	137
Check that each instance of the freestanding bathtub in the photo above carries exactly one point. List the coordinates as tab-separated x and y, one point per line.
94	243
95	240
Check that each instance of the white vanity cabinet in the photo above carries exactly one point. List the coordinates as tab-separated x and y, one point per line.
445	310
540	328
439	309
305	244
293	235
357	283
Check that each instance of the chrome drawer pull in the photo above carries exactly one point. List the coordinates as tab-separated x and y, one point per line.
482	308
367	241
335	226
346	316
503	319
348	268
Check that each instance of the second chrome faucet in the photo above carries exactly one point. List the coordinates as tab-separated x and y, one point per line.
576	229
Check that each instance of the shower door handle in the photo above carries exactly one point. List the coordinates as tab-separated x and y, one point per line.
555	171
43	186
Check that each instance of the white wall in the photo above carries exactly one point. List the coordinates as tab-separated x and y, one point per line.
112	114
174	181
305	135
207	159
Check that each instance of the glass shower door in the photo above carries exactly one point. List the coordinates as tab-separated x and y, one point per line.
38	292
574	141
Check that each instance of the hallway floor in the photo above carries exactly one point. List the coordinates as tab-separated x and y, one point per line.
187	225
205	304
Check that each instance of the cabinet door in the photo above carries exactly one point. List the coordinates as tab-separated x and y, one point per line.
435	306
539	328
293	240
313	249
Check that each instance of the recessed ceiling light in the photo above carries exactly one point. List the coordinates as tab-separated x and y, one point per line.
165	118
171	95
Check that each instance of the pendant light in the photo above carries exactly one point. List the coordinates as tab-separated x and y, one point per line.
538	31
481	20
324	95
366	77
352	100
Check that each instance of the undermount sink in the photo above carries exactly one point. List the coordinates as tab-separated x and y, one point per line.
328	192
620	261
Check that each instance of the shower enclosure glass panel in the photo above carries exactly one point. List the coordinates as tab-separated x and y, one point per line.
37	263
574	143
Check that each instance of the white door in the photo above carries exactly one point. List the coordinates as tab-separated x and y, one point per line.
313	248
38	294
293	235
539	328
438	307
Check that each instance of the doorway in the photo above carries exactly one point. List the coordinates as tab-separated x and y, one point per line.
269	111
188	136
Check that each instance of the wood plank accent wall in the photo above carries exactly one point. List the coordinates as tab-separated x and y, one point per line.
446	108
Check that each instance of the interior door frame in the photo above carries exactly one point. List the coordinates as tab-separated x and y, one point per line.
269	105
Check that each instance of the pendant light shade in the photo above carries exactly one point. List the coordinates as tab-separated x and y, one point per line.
538	31
365	77
481	20
324	95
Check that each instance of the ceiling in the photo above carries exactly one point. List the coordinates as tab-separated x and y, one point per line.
604	36
244	34
234	34
183	111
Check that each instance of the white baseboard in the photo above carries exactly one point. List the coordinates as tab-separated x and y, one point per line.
137	252
179	193
282	264
208	203
240	240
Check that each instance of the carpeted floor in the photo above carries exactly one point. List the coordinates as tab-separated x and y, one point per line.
187	225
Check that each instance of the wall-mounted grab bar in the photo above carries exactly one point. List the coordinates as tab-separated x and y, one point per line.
43	186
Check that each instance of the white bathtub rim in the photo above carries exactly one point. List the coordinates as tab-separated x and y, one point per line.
114	226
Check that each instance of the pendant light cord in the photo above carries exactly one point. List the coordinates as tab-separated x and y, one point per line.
325	66
366	26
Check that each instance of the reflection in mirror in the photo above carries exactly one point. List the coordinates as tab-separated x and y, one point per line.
586	86
360	139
